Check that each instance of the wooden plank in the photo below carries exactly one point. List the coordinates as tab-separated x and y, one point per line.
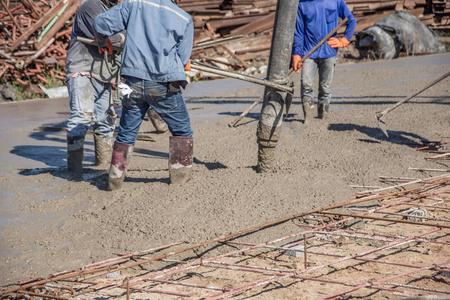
48	15
67	14
254	26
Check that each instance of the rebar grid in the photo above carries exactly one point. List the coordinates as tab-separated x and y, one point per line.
354	249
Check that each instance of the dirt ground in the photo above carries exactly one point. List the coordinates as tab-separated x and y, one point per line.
50	223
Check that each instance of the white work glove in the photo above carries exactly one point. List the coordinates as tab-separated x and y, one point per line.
124	89
127	100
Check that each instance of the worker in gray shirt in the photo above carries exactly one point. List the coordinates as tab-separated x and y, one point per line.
89	84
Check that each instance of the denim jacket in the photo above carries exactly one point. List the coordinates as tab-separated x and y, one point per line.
159	37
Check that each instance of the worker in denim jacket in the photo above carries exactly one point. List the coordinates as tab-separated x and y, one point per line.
315	19
89	84
156	54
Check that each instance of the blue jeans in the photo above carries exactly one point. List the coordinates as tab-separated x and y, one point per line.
89	103
169	105
309	71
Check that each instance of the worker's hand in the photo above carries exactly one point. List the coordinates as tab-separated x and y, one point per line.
108	48
335	43
188	66
296	65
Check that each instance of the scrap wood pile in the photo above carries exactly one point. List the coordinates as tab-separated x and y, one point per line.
34	39
35	34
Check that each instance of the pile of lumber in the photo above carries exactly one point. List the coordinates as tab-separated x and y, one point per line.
231	34
441	12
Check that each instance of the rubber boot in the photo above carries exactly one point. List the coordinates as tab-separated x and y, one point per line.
308	110
322	112
120	160
159	124
75	146
180	159
103	150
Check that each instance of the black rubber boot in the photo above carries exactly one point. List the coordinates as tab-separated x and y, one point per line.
322	112
103	150
120	160
180	159
159	124
75	156
308	110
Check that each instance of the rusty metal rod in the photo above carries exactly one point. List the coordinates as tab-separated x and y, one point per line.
94	43
372	234
386	219
429	206
380	281
407	215
218	42
207	287
251	79
64	275
43	296
439	177
12	17
383	262
162	292
418	288
305	251
430	170
281	272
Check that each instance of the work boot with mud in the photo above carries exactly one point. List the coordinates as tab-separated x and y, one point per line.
322	112
159	124
103	150
120	160
180	159
308	111
75	146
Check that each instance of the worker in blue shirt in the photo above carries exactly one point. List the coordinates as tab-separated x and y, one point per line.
315	19
156	54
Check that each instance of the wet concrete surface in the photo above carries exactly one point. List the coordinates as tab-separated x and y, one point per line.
33	141
33	132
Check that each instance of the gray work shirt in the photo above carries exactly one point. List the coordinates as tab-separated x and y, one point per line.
86	58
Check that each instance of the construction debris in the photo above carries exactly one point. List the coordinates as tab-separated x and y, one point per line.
34	39
35	35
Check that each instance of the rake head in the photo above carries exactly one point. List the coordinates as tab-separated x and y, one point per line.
381	123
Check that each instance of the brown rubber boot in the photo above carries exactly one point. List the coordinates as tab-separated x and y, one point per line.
308	110
180	159
322	112
121	156
103	150
75	156
159	124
